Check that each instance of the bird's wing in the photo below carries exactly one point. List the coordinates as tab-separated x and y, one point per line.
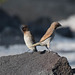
32	38
48	33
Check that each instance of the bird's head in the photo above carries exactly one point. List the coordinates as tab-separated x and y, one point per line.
24	28
56	24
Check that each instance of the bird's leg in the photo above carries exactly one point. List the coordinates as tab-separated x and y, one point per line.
48	49
35	50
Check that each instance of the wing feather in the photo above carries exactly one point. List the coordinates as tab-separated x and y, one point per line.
48	33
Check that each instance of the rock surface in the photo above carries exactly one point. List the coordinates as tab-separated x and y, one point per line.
35	64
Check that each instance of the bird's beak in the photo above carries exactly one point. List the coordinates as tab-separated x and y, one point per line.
22	28
60	25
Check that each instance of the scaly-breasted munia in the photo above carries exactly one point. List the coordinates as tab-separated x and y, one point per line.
28	38
48	36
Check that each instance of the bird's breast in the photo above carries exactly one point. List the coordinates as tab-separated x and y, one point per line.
45	41
28	40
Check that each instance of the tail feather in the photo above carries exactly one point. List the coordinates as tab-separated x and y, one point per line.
36	44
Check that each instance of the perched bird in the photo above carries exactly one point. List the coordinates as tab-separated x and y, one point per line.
48	36
28	38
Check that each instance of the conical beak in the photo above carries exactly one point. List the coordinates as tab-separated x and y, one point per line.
60	25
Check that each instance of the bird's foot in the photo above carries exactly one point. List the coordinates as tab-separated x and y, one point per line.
34	51
49	51
42	52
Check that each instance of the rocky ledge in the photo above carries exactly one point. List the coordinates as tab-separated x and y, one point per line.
36	63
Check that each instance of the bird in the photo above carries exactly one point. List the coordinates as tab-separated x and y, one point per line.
48	36
28	38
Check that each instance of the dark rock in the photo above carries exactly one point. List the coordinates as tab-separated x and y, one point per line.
35	64
65	31
61	66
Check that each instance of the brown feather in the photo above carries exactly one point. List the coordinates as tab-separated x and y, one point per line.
48	33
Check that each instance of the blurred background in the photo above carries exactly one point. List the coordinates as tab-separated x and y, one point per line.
38	15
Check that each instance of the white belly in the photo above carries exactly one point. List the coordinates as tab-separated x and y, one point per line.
46	41
28	40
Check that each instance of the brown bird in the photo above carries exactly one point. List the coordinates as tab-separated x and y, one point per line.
48	36
28	38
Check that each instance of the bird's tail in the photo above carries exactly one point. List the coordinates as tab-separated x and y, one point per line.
36	44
